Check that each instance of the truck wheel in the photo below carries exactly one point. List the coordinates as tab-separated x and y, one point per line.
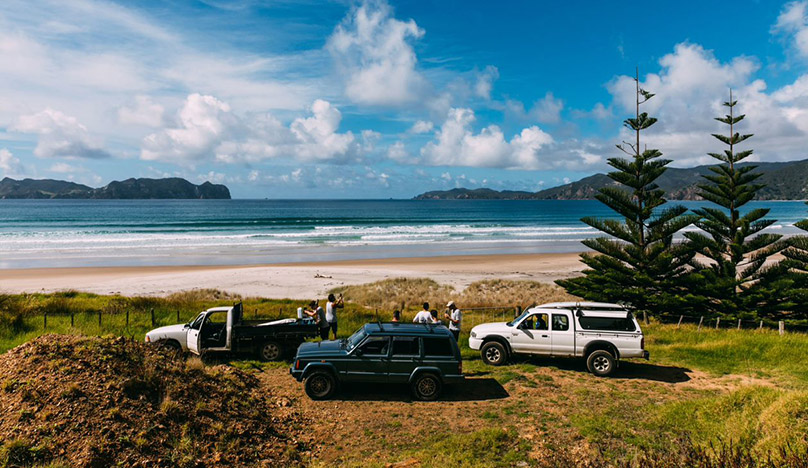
494	353
600	363
320	385
270	351
426	387
170	345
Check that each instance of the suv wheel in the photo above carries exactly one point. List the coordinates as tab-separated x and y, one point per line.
270	351
320	385
426	387
494	353
600	363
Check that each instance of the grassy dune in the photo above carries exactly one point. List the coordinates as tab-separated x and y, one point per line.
735	397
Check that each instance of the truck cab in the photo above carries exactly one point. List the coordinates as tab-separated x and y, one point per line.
601	333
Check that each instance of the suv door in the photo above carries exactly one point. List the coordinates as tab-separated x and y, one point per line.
405	356
562	333
369	361
532	335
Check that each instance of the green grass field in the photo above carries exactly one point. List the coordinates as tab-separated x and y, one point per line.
745	388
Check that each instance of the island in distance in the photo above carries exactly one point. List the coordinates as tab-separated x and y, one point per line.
782	180
129	189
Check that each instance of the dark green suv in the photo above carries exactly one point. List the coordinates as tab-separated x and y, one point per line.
424	356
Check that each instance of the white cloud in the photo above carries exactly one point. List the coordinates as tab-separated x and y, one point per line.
204	122
372	49
793	22
485	82
690	89
422	126
60	136
143	112
207	129
9	164
547	109
64	168
456	144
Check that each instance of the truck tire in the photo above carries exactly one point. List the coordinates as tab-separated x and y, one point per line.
270	351
494	353
170	345
320	385
426	387
600	363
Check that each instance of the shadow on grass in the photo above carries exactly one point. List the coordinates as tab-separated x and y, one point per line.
469	390
627	370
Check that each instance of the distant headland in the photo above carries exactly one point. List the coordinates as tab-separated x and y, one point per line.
783	181
129	189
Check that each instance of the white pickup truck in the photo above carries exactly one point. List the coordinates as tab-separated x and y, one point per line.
223	330
601	333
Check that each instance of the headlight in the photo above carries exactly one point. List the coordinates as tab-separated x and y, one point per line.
148	340
473	334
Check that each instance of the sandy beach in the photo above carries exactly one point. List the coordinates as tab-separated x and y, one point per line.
293	281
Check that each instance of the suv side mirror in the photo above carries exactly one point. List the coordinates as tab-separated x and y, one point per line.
358	351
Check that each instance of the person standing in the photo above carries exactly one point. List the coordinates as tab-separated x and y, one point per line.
454	316
331	312
424	316
317	312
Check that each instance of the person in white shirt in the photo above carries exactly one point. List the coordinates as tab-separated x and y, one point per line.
331	312
454	316
424	316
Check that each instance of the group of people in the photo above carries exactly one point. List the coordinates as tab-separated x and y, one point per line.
326	318
452	315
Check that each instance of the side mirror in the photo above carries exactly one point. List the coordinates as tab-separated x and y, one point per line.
358	351
187	325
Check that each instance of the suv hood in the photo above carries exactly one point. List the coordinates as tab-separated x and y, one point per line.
321	348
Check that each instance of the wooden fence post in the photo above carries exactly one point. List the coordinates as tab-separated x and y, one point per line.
717	321
255	313
178	315
71	320
45	321
99	318
739	324
152	316
761	325
680	321
782	326
701	320
127	318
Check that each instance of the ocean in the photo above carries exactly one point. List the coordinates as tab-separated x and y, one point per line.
72	233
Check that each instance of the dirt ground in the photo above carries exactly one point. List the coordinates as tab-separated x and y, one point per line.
540	398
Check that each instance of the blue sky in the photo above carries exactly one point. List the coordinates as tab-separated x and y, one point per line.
381	99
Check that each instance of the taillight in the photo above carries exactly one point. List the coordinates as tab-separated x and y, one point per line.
642	343
460	367
297	364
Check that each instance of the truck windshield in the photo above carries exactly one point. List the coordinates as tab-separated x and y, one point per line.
517	319
356	338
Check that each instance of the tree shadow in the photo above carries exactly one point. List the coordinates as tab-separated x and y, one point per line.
627	370
471	389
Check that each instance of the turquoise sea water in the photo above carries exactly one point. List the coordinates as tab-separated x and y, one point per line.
62	233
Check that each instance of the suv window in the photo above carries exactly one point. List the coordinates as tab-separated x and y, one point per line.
437	347
607	323
406	346
561	322
375	346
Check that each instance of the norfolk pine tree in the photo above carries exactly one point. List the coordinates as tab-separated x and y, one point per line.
637	264
733	278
